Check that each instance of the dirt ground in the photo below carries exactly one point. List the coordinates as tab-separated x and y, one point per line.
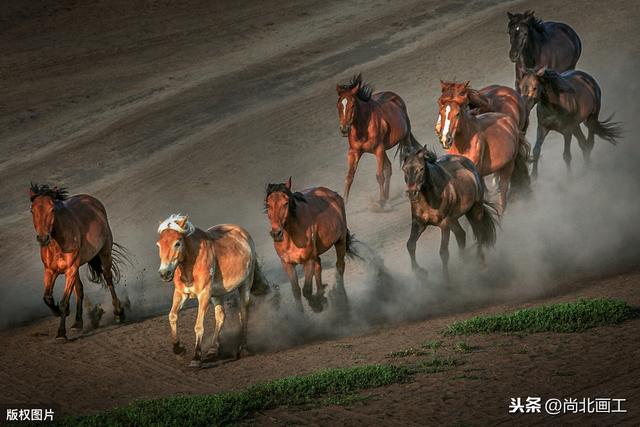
159	107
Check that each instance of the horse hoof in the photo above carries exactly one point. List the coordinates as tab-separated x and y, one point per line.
77	325
243	352
210	357
179	349
195	363
120	317
61	339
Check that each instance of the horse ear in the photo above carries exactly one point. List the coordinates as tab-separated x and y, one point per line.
465	85
528	14
443	84
32	194
339	89
511	16
182	221
287	184
540	71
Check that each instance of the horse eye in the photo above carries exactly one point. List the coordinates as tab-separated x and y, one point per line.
177	244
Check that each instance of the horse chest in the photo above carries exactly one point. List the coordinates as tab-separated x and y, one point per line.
426	213
292	254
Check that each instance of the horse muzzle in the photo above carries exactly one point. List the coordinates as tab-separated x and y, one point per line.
446	142
513	56
344	130
277	235
44	240
412	194
166	272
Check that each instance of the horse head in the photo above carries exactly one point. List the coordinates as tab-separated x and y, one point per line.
43	208
414	167
520	25
172	231
278	206
530	86
452	101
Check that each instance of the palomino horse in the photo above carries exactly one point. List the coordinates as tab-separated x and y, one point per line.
441	191
304	225
207	265
541	44
563	102
492	141
500	99
374	123
73	231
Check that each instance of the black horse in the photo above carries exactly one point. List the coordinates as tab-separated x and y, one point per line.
564	102
535	44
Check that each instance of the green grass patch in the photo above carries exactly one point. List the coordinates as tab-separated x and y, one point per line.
439	364
463	347
232	407
345	400
564	317
408	352
432	345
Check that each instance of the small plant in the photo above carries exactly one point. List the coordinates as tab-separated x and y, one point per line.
463	347
408	352
439	364
565	317
432	345
344	345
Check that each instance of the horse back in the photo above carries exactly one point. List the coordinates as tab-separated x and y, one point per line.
393	111
561	47
585	96
234	255
507	101
327	216
84	220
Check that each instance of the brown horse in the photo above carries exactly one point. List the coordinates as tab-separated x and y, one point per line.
563	102
304	225
441	191
500	99
492	141
73	231
535	43
207	265
374	123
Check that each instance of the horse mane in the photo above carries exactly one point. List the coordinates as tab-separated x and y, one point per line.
430	156
364	92
56	193
171	223
294	197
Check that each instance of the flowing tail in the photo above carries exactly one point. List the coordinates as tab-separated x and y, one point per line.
407	146
351	251
119	256
607	130
261	285
520	179
483	220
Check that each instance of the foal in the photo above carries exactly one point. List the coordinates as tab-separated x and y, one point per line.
441	191
207	265
304	225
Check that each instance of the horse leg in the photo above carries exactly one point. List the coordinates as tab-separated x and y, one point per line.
243	316
70	282
203	306
504	178
541	135
290	269
417	228
584	144
566	155
341	251
107	263
319	285
461	236
380	156
307	289
176	306
387	170
353	157
50	277
444	251
219	315
78	290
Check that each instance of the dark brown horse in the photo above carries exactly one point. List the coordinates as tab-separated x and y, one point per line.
73	231
374	123
304	225
441	191
492	141
500	99
563	102
535	43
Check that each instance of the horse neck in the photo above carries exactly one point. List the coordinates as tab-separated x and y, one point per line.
431	187
63	226
294	226
531	49
362	117
463	135
191	251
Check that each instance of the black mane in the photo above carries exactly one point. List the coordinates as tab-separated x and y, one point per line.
294	197
44	190
365	91
553	80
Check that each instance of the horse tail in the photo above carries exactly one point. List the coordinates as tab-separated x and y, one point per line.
351	250
260	285
483	219
606	129
406	146
119	256
520	179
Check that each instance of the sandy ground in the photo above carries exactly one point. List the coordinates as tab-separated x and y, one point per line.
194	107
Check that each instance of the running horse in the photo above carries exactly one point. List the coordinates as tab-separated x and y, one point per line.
374	123
492	141
500	99
207	265
304	225
73	231
441	191
564	101
535	43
